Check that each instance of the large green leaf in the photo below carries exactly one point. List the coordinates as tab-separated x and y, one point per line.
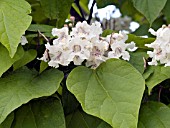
112	92
150	8
82	120
14	20
27	57
6	60
54	10
8	121
157	75
104	3
154	115
23	85
46	113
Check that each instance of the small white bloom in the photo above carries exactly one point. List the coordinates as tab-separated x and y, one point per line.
119	50
131	46
62	34
81	30
58	55
23	40
96	29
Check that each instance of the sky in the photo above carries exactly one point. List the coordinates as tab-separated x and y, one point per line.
107	12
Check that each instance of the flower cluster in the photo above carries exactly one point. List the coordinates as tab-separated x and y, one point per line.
161	46
84	43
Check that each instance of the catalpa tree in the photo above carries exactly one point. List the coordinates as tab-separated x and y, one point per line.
61	67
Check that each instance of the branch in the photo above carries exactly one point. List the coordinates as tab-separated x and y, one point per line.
91	12
81	11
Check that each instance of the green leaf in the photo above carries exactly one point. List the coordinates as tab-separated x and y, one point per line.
112	92
23	85
14	20
154	115
137	60
54	10
158	74
150	8
104	3
6	60
28	57
46	113
140	41
82	120
8	121
41	28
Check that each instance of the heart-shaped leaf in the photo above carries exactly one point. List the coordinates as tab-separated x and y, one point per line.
23	85
112	92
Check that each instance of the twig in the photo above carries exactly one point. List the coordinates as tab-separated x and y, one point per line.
43	36
91	12
78	5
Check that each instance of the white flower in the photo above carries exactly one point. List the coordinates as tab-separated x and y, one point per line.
57	55
79	50
81	30
96	29
23	40
62	34
97	53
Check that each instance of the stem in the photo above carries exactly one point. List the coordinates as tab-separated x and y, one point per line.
78	5
91	12
159	94
39	33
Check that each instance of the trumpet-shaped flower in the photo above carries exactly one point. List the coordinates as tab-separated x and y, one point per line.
62	34
79	50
